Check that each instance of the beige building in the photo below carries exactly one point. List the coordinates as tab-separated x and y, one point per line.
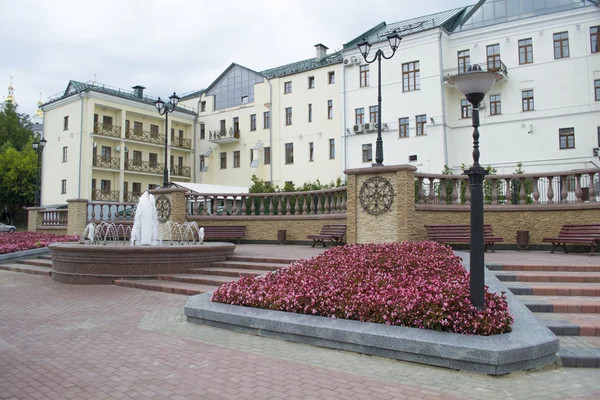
108	144
282	124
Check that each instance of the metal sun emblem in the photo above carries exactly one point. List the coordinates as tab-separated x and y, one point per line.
163	208
376	195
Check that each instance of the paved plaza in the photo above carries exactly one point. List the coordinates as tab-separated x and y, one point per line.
61	341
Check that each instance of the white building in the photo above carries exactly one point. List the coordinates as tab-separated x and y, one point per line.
545	112
282	124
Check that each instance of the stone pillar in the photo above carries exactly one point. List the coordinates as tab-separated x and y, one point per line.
385	211
176	197
34	218
77	216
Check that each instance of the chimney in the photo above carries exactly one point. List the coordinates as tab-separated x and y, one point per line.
321	51
138	91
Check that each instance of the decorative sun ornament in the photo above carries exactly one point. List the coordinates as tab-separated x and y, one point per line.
376	195
163	208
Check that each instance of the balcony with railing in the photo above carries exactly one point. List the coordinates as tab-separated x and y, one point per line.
490	66
144	166
107	130
132	197
181	143
224	136
106	162
144	136
105	195
180	170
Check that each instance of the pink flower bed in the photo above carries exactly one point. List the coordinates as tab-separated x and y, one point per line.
415	284
19	241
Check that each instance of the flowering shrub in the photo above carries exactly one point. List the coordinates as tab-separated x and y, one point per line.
19	241
415	284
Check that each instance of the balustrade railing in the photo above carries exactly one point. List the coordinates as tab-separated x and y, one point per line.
107	162
105	195
144	166
55	217
316	202
144	136
181	143
110	212
180	170
569	187
107	130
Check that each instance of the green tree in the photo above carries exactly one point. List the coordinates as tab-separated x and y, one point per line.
515	186
18	162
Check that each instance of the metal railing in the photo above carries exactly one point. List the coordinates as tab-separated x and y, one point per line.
107	162
490	66
55	217
315	202
181	143
144	136
105	195
216	135
144	166
180	170
107	130
567	187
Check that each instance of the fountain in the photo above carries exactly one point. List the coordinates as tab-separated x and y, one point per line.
104	252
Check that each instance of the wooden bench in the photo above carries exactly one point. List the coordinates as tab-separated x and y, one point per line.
449	234
333	232
224	232
586	234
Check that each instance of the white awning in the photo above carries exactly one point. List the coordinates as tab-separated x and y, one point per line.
208	152
254	164
207	188
257	146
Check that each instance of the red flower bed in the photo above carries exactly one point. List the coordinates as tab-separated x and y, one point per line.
19	241
415	284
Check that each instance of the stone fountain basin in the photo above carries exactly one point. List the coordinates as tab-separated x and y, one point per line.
85	264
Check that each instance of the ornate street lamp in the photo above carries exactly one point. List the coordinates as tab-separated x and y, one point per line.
164	109
364	47
474	83
39	148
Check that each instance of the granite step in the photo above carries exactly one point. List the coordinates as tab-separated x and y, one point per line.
211	280
258	265
564	324
28	269
271	260
548	276
234	272
580	351
46	257
554	288
187	289
539	267
562	304
36	261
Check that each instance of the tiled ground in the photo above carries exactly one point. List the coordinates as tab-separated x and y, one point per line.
62	341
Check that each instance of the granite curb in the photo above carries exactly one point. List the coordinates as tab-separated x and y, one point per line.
24	253
529	345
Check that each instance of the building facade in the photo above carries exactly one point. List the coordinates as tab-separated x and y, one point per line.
109	145
315	118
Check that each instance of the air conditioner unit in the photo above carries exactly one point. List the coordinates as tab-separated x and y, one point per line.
370	127
347	61
482	105
355	60
359	128
117	148
385	127
595	150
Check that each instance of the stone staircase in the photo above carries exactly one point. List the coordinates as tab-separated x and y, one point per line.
566	298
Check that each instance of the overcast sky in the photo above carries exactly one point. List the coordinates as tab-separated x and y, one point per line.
174	45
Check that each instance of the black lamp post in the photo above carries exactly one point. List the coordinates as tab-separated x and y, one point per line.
474	84
364	47
39	148
164	109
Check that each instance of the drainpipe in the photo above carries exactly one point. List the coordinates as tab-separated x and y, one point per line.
270	129
444	133
81	149
344	132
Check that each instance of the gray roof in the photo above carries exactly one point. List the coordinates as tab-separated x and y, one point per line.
192	94
445	19
75	87
302	66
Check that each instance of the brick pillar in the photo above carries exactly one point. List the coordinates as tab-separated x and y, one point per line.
34	218
393	225
77	216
